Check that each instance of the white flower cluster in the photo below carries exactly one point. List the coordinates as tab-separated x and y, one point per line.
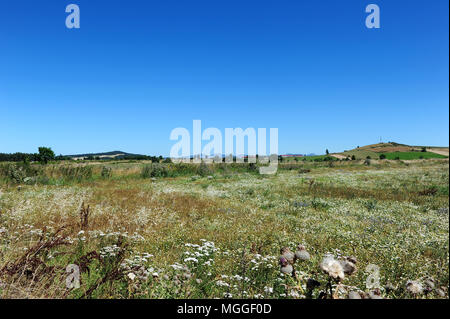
201	253
109	251
259	262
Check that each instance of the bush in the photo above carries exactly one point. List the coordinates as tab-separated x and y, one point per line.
353	158
382	157
203	170
154	170
106	172
17	173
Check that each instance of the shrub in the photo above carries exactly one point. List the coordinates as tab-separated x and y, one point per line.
382	157
371	205
203	170
252	167
353	157
17	173
154	170
106	172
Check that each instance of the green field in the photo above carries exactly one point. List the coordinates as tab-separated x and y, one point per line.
412	155
317	158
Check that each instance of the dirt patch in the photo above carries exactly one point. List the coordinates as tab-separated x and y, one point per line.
388	148
441	151
339	156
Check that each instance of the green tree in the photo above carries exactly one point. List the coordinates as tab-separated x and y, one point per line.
45	155
327	152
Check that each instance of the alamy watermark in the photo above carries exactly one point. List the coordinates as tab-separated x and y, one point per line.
373	280
373	19
213	152
73	277
73	19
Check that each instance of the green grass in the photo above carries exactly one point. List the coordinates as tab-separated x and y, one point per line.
361	154
412	155
316	158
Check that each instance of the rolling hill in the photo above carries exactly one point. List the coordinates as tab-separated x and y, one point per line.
394	150
106	155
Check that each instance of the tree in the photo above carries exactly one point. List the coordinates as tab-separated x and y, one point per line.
424	149
327	152
353	157
45	155
382	157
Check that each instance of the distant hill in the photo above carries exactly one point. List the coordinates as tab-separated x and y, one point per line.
107	155
394	150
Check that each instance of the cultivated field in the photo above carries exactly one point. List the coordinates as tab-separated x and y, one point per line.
139	230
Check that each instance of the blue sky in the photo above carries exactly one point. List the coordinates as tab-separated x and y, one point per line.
135	70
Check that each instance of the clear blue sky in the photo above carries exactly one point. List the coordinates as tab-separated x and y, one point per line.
137	69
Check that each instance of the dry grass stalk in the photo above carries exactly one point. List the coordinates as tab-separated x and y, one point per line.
84	216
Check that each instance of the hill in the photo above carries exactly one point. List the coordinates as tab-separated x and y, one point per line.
394	150
106	155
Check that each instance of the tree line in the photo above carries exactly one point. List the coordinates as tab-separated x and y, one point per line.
45	155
